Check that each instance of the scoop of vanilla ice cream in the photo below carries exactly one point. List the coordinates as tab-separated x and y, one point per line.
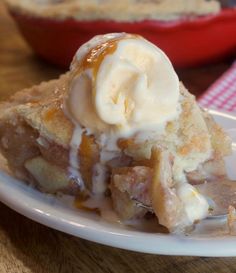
124	83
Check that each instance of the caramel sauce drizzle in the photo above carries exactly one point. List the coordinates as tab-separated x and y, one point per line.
94	58
96	55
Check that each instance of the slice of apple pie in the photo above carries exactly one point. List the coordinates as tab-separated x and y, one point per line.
118	125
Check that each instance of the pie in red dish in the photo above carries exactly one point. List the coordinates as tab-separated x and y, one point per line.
191	32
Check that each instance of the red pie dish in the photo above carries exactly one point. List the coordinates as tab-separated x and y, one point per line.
187	41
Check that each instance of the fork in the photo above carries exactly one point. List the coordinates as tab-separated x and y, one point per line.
221	194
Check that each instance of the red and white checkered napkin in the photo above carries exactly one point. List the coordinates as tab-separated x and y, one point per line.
221	95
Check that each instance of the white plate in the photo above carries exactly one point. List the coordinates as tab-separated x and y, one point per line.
209	239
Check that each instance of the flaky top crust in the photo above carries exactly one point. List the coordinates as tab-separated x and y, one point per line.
41	107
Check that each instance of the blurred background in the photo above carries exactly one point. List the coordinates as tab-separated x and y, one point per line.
40	37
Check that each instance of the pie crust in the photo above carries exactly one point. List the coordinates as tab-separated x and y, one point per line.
123	10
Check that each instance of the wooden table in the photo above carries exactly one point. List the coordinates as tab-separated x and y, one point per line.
26	246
